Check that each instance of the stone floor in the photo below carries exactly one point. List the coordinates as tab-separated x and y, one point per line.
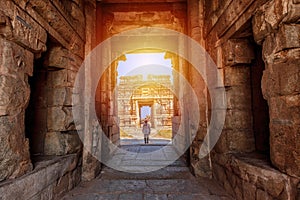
140	141
167	183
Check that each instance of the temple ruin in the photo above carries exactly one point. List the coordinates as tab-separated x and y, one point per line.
134	93
254	44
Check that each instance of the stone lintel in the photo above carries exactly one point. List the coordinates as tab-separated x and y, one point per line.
238	51
58	26
140	1
61	58
226	17
19	27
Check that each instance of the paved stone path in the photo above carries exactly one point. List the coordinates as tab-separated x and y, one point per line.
140	141
173	182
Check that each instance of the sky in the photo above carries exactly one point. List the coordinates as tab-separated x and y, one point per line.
145	63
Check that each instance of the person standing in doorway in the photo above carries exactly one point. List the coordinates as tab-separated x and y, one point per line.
146	130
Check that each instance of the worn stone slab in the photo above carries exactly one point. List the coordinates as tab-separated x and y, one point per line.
175	172
61	78
16	63
251	174
31	184
60	96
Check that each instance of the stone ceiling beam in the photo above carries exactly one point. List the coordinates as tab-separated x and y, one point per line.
140	1
137	7
70	32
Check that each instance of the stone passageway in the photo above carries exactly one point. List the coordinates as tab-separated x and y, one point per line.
230	100
172	182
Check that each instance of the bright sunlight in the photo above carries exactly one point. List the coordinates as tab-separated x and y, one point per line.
145	63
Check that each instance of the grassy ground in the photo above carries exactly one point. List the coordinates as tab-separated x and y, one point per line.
164	133
124	134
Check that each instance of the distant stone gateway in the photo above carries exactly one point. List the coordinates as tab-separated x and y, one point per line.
156	92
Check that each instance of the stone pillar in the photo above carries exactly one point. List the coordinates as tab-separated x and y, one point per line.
137	112
154	115
237	134
20	38
61	137
92	136
275	28
201	167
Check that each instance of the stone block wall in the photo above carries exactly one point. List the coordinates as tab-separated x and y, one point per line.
41	50
229	33
237	135
20	38
61	137
276	27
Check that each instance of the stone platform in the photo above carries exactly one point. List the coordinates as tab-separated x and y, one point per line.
169	183
51	177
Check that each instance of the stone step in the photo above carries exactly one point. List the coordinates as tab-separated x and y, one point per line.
165	173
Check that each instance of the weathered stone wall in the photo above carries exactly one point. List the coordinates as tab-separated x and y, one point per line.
237	135
229	33
276	27
21	37
27	30
61	137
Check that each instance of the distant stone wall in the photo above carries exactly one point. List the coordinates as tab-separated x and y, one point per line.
135	92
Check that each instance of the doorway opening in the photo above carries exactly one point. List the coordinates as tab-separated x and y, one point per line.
145	112
145	85
36	112
260	108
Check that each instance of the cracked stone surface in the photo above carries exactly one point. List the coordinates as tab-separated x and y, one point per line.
169	183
